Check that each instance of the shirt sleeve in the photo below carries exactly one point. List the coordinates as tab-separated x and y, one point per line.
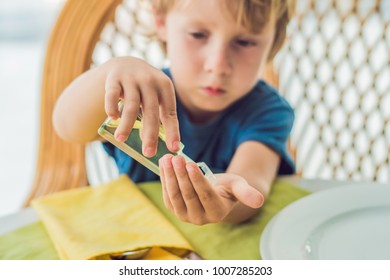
109	148
271	125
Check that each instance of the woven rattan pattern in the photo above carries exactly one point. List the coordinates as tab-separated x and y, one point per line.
131	33
335	72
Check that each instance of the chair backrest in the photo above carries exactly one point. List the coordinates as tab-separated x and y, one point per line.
335	72
87	33
61	165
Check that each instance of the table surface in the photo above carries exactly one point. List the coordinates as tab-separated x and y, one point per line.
27	216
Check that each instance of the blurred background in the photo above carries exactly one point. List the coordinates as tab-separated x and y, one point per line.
24	29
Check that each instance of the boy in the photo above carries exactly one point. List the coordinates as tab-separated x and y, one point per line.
227	118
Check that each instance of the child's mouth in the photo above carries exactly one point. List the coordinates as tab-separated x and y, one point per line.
213	91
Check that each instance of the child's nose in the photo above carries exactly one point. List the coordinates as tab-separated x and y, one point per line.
218	60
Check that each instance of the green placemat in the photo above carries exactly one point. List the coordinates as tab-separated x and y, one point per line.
27	243
224	241
214	241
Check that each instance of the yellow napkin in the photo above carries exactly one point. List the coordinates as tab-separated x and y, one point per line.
97	222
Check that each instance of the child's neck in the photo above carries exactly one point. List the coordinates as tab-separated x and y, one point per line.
202	117
196	115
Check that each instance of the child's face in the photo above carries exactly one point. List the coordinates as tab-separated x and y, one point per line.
214	62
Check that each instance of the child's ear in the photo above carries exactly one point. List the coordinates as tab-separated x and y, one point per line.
159	20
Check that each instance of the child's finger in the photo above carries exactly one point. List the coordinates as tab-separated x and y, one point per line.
151	120
173	189
168	114
190	197
241	190
209	199
131	104
113	91
167	202
247	194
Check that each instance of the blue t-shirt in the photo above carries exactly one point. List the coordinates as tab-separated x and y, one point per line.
261	115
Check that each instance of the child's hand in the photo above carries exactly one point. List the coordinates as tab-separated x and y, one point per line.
139	84
192	198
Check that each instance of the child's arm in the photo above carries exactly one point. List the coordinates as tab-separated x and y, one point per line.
258	165
234	199
87	101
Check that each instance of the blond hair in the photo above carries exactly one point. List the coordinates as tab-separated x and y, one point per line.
251	14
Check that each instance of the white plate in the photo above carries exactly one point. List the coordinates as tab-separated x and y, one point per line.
351	222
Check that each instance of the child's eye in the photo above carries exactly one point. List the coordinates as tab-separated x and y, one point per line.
246	43
198	35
